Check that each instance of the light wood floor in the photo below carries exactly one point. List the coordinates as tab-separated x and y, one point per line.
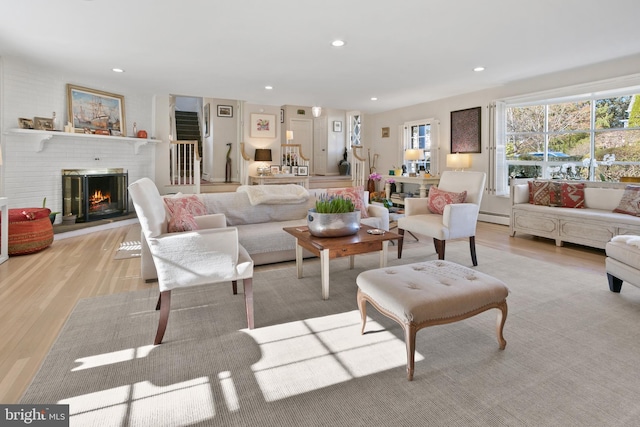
39	291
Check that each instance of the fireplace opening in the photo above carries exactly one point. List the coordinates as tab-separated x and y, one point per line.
94	194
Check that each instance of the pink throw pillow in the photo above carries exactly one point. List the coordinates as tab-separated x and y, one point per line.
356	194
630	202
191	204
438	199
181	220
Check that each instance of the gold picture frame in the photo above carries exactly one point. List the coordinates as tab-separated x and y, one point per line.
91	109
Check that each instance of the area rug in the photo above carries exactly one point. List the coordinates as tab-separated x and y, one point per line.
131	244
571	357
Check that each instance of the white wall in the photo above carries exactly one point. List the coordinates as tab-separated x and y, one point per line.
387	148
29	175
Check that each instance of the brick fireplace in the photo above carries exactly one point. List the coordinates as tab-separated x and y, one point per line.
94	194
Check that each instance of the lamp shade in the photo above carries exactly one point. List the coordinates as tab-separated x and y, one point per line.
316	111
262	155
412	154
458	161
289	135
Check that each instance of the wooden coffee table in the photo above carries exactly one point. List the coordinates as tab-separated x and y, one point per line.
328	248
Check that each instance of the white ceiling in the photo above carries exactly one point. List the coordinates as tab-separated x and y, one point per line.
403	52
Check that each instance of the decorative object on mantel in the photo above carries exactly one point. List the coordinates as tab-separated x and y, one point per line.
94	109
42	123
141	134
334	216
25	123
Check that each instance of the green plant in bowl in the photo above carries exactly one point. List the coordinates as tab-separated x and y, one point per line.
334	204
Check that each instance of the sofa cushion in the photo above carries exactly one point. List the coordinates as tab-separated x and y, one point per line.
602	198
181	220
566	194
356	194
539	192
438	199
190	203
630	202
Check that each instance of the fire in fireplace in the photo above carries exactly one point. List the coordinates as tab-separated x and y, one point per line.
94	194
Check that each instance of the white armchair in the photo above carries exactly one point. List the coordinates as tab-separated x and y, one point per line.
208	255
458	220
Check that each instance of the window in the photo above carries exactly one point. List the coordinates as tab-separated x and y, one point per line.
589	137
422	136
355	127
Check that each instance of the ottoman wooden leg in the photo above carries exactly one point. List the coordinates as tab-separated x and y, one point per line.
502	318
410	341
362	306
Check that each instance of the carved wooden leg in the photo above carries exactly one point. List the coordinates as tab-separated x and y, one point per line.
439	244
401	233
247	284
410	341
502	318
362	306
158	303
165	305
234	285
615	284
472	246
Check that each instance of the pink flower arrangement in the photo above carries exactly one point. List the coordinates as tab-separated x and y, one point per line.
391	181
375	176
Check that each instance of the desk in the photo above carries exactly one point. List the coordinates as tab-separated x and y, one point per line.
424	183
275	179
4	240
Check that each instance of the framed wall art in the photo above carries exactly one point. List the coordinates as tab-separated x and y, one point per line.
42	123
24	123
385	132
303	170
207	120
281	115
263	126
95	110
337	126
225	111
465	130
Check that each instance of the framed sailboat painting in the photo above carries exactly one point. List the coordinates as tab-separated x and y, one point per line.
93	110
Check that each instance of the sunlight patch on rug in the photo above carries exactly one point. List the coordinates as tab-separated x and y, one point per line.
293	354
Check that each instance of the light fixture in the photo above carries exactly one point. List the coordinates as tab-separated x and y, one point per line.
337	43
117	70
316	111
289	136
412	154
373	98
478	69
458	161
263	155
268	87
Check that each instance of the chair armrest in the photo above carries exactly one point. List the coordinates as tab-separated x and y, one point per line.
218	220
195	257
460	219
380	212
416	206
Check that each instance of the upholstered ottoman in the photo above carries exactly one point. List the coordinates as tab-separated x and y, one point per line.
30	230
430	293
623	261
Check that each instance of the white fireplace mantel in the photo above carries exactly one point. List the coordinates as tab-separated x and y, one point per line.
39	137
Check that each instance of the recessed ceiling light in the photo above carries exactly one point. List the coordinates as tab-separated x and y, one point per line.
337	43
374	98
268	87
478	69
117	70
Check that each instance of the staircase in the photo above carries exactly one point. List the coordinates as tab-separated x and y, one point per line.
188	127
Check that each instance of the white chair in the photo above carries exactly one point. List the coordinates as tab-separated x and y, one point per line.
208	255
457	220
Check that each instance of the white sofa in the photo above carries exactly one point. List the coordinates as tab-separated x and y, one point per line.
260	226
593	226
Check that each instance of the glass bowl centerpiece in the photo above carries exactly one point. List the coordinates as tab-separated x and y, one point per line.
333	216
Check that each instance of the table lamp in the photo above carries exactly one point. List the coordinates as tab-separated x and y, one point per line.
412	155
263	155
458	161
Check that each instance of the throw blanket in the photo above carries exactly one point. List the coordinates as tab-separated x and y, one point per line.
628	239
285	194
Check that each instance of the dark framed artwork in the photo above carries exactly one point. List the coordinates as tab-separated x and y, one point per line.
225	111
281	115
207	120
465	130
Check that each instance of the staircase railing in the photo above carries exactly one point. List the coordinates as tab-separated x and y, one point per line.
244	165
359	167
292	155
185	164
